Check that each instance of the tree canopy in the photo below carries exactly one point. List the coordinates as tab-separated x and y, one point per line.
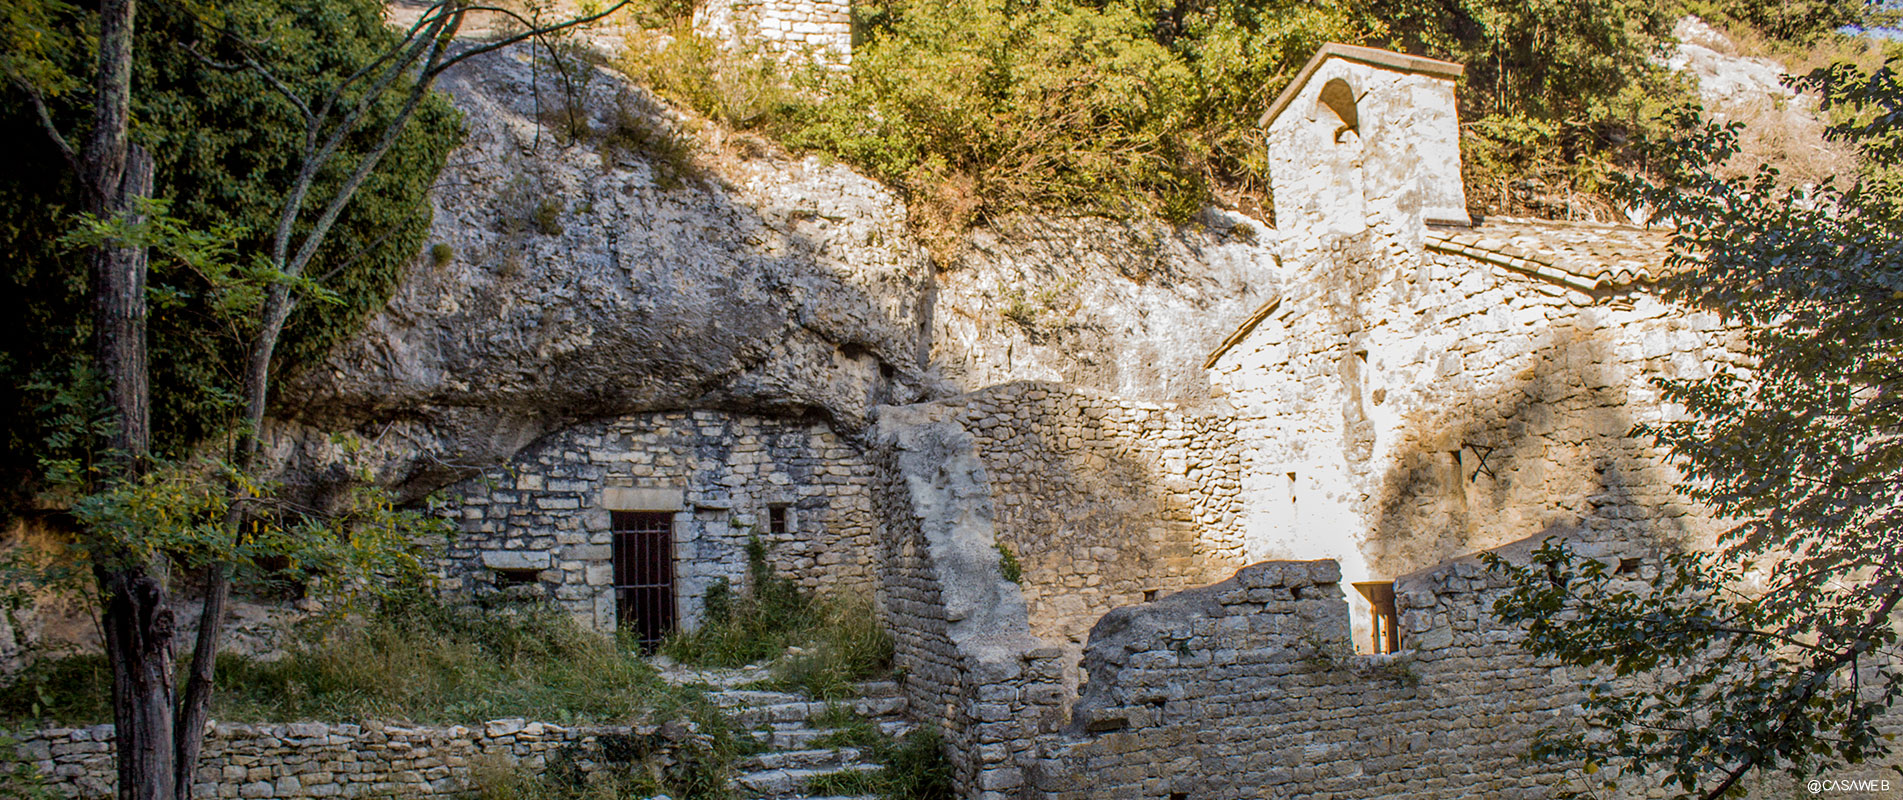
224	146
1778	650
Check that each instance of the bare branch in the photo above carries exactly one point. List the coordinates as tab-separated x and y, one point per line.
46	124
533	32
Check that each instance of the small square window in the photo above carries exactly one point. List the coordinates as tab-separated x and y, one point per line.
779	519
506	578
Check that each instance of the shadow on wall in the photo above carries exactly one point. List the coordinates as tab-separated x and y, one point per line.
1551	452
1085	506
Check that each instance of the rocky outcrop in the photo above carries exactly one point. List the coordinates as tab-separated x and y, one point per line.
608	261
1781	126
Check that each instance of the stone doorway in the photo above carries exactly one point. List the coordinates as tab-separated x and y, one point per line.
644	574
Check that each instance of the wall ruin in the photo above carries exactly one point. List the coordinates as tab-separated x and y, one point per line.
815	30
317	760
1104	501
717	473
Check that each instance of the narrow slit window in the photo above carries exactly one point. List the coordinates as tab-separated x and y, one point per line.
1385	632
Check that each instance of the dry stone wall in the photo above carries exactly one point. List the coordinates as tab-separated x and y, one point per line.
318	760
718	474
1103	501
961	633
820	30
1247	689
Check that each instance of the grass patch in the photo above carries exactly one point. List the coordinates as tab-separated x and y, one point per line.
416	659
912	768
823	645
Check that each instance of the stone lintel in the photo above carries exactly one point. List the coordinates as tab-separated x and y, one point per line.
628	498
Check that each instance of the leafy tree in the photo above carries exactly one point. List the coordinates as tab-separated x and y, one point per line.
347	107
1778	649
223	150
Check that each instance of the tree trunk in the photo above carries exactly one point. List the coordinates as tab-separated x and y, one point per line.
194	709
118	306
139	629
137	624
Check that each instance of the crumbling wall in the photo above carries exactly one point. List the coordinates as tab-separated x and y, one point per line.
1104	501
1247	689
961	634
820	30
319	760
718	473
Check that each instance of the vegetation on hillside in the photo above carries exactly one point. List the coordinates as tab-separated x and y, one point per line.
978	108
415	658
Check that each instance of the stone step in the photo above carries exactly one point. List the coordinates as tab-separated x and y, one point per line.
800	736
798	711
752	715
843	797
801	759
879	689
789	783
876	707
734	698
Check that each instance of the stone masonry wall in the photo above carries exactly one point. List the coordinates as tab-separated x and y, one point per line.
316	760
1404	408
718	474
1104	501
961	633
817	29
1247	689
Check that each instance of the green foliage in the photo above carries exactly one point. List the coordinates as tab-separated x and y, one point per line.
845	646
917	768
415	658
19	778
441	254
984	107
1793	20
1008	563
838	638
737	88
1776	651
979	108
547	217
501	779
223	144
912	768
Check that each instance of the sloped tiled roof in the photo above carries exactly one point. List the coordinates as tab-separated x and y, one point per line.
1584	255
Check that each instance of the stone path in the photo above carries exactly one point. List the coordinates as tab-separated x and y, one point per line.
791	727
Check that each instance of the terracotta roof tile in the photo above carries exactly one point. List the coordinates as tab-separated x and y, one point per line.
1584	255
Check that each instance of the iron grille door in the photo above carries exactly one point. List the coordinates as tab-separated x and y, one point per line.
644	574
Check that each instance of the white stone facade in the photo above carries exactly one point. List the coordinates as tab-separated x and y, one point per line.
815	30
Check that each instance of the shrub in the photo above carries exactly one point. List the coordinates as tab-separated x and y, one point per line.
839	638
1008	563
415	658
912	768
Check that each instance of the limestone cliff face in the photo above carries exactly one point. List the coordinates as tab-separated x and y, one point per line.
576	276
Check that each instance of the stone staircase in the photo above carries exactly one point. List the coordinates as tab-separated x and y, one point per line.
792	728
